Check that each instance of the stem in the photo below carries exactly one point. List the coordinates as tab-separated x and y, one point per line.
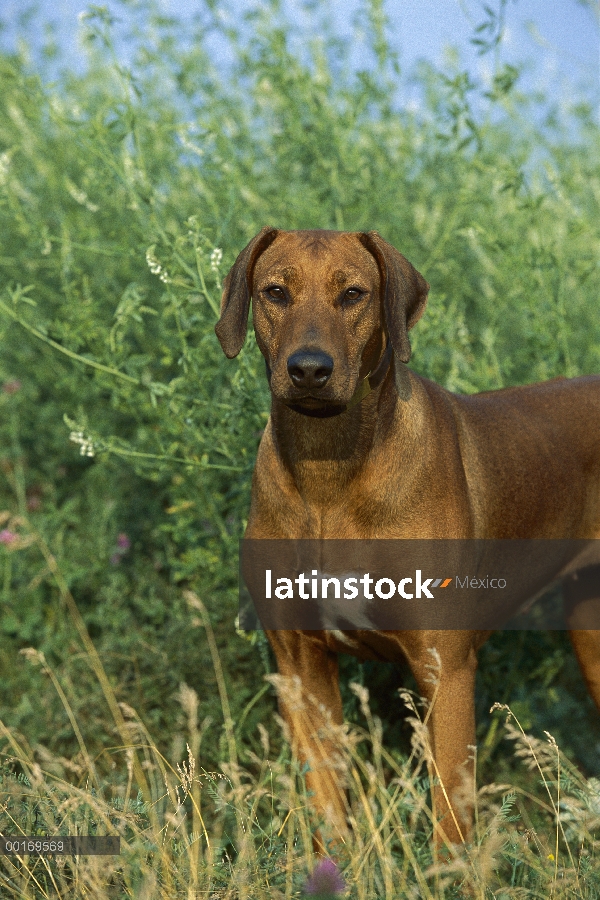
179	459
210	300
70	353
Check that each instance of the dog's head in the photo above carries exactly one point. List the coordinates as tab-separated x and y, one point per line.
325	303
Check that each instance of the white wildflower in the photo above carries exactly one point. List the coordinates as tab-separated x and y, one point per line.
4	167
215	259
155	267
86	444
153	264
80	196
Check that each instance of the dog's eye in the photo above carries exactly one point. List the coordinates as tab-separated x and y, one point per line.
274	292
352	295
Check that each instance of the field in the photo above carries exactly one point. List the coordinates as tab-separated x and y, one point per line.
130	703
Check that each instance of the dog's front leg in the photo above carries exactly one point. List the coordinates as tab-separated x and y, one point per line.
311	706
446	679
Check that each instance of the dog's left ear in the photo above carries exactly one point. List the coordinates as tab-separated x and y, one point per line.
404	291
235	301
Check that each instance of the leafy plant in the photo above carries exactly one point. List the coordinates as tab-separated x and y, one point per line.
127	441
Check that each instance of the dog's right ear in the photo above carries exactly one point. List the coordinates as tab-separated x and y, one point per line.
235	301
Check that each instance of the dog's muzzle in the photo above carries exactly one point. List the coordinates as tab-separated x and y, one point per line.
368	384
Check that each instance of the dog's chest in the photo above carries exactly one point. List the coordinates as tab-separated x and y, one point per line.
388	493
353	513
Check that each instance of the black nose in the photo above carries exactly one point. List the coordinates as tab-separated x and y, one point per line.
310	368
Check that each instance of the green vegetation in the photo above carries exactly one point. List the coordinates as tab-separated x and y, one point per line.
125	195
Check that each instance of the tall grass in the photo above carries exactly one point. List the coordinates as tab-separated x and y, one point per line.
127	441
244	831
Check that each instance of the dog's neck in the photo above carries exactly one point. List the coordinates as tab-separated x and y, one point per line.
324	455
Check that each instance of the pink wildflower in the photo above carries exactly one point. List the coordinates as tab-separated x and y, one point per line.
8	537
123	542
326	881
11	387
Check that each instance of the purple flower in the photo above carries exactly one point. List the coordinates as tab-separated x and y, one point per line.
8	537
326	881
115	559
11	387
123	542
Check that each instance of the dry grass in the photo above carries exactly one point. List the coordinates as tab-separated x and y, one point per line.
245	831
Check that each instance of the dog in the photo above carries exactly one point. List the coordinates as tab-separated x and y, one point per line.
358	446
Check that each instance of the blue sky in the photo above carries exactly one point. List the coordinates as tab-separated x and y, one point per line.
560	37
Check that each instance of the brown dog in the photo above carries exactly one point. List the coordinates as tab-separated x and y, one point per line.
360	448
